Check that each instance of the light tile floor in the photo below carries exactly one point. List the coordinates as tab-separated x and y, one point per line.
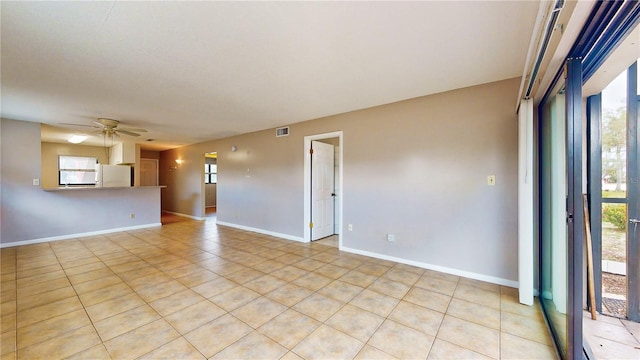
612	338
195	290
329	241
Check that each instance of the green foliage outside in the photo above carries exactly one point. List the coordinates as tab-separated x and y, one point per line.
614	194
616	215
614	126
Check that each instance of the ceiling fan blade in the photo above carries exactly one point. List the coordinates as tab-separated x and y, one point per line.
132	129
126	132
68	124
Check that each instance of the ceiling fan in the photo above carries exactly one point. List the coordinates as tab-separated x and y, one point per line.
109	128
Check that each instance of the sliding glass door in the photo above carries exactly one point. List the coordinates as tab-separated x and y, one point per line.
633	195
561	217
607	26
615	195
553	194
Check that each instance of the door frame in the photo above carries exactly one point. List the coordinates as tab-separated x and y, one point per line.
575	217
307	181
633	204
203	190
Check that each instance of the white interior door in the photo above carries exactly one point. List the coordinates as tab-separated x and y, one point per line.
148	172
322	190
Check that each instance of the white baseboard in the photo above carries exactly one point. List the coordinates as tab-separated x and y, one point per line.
262	231
467	274
184	215
77	235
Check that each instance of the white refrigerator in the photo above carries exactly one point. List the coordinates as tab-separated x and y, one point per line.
113	175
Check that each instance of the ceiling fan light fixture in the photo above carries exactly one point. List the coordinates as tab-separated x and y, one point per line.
77	139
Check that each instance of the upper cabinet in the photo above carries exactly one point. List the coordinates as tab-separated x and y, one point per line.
123	153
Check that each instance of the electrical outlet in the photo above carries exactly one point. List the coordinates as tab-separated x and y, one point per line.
36	182
350	227
491	180
391	237
133	215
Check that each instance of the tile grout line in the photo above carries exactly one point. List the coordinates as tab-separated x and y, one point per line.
445	314
206	299
16	279
288	308
365	343
80	300
291	308
161	317
15	345
500	325
16	300
630	331
102	341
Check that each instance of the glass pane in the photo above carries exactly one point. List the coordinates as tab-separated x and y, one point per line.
214	178
614	140
77	177
614	255
77	162
553	220
214	168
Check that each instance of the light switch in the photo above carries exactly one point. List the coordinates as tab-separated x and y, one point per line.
491	180
36	182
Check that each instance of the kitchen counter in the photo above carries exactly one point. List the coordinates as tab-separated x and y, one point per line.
82	188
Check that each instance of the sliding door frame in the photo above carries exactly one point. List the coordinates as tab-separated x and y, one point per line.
575	218
633	196
594	190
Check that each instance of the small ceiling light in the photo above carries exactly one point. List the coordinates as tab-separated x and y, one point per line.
179	161
77	139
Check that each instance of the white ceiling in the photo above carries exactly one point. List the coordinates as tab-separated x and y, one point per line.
195	71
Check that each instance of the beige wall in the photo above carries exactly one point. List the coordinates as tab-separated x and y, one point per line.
51	151
148	154
415	168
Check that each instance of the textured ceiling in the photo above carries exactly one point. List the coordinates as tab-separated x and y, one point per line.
195	71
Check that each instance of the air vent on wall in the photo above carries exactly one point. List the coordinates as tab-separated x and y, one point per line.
283	131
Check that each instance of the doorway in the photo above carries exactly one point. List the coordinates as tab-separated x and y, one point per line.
323	186
149	172
322	189
210	175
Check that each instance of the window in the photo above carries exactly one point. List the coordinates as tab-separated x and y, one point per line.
210	173
77	170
